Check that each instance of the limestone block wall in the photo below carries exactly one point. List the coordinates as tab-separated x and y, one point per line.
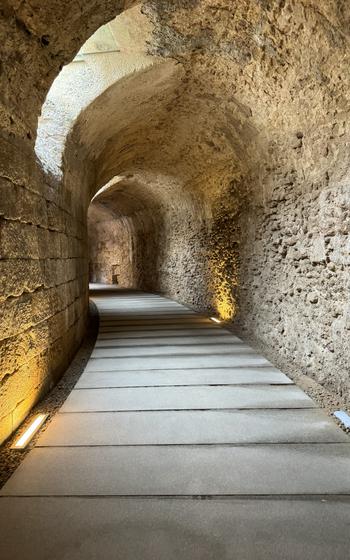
43	241
43	279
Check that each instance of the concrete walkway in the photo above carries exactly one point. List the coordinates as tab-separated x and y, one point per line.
179	442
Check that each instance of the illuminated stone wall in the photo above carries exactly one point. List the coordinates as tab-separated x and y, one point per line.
43	244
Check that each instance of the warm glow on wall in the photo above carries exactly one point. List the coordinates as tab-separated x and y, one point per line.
224	303
225	309
25	438
224	282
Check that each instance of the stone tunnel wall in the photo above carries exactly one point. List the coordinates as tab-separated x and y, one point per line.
277	75
295	279
43	241
43	275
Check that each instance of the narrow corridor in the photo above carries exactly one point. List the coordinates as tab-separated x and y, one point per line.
179	441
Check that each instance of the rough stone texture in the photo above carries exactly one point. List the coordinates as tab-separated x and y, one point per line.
298	251
226	154
43	244
111	248
257	132
43	286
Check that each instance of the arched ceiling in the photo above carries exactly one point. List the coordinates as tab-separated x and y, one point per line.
234	90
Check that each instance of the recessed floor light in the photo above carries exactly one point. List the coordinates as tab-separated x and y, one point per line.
343	417
25	438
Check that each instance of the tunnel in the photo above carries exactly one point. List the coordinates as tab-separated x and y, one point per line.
225	151
196	151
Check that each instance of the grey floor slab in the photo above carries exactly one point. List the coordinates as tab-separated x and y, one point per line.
240	428
131	304
139	299
178	398
183	320
117	319
146	303
188	427
115	529
157	333
203	327
168	340
139	529
214	376
141	313
175	362
173	349
282	469
133	307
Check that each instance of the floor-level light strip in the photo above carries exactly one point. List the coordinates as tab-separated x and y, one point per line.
215	320
25	438
343	417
